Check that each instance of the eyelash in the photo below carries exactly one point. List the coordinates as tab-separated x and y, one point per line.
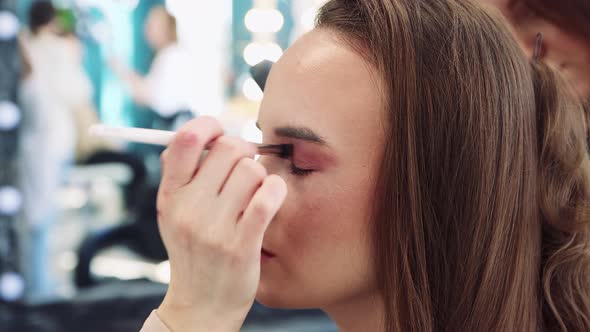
300	171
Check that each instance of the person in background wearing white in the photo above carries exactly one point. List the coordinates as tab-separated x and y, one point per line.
50	95
167	88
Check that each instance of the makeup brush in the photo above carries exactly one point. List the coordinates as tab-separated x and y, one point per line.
164	137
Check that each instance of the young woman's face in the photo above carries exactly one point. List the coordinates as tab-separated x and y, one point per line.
323	98
561	48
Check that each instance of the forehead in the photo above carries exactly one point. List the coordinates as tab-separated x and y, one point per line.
322	83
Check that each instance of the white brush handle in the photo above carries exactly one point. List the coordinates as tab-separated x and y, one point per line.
138	135
163	137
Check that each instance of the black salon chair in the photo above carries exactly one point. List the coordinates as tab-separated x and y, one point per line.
139	233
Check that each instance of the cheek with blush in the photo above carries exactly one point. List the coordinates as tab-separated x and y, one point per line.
317	215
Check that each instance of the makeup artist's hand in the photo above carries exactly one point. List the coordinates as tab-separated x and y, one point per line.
212	216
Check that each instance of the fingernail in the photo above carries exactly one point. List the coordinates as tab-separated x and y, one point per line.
187	139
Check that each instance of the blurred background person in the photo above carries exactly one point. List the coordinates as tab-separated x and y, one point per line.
55	88
565	26
168	88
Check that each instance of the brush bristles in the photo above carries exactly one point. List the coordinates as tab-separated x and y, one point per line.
284	151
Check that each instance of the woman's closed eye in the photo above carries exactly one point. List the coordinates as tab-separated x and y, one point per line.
299	171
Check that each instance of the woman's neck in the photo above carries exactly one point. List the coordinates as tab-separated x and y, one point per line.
364	313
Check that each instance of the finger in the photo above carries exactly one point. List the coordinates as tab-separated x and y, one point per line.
222	158
241	185
261	210
183	153
163	156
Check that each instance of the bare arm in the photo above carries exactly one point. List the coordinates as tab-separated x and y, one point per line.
137	84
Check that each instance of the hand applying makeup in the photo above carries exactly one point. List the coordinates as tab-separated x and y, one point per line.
212	216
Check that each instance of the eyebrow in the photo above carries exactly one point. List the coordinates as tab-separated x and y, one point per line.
299	133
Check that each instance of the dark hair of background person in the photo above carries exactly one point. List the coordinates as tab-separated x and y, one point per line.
572	15
41	13
482	211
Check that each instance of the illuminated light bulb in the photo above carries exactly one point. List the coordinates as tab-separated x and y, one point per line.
264	20
256	52
11	200
251	90
9	25
12	286
307	19
9	115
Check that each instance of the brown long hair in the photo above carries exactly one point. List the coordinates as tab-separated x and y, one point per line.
481	221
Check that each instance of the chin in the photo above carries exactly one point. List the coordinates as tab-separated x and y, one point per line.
278	296
280	299
284	303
